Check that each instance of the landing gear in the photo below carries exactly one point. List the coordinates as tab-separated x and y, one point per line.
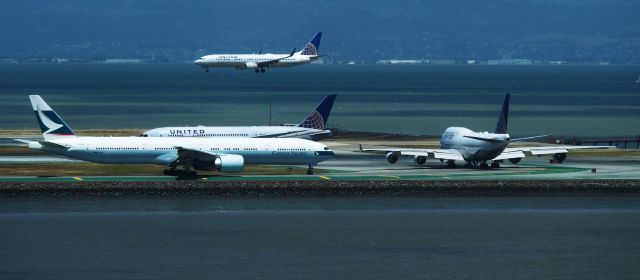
206	69
310	170
484	165
257	70
262	70
495	164
469	165
451	164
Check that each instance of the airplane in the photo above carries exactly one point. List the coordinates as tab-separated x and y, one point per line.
311	128
477	148
260	61
221	154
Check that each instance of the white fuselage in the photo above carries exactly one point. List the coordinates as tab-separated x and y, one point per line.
243	61
156	150
474	149
239	131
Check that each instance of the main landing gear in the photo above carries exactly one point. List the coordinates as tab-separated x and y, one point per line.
206	69
310	170
261	70
173	171
451	164
481	164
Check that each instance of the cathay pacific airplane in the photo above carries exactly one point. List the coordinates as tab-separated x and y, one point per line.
260	61
221	154
476	148
311	128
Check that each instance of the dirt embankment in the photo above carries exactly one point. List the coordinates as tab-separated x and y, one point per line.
323	188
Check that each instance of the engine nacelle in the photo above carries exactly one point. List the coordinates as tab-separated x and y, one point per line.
251	65
391	157
560	157
224	163
515	160
420	160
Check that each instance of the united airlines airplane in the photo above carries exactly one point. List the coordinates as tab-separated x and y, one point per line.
312	127
260	61
221	154
476	148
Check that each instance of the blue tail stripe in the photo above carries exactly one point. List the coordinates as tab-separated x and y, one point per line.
503	119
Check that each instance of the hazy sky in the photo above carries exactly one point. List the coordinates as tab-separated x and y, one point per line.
354	29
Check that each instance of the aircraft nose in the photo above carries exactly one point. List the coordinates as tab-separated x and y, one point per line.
198	61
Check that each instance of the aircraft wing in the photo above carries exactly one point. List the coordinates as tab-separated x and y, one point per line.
547	150
274	61
186	154
445	154
521	152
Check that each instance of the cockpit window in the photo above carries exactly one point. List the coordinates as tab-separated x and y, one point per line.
326	148
144	135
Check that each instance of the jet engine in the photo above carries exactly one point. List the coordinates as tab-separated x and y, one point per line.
223	163
420	160
251	65
560	157
391	157
515	160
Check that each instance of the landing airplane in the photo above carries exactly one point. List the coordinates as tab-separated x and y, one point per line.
311	128
221	154
476	148
260	61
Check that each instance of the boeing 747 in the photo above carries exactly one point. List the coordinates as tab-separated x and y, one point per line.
477	148
258	62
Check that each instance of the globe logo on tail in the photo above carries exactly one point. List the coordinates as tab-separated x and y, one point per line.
314	120
310	49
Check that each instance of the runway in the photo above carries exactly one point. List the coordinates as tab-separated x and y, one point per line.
349	165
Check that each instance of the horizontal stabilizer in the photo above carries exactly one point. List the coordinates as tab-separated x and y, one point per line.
529	138
487	139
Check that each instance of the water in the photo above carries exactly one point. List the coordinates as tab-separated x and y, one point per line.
409	99
559	237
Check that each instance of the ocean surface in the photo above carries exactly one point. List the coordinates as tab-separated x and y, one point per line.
407	99
424	237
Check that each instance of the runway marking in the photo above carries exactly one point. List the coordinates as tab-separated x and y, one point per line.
77	178
325	177
391	176
204	178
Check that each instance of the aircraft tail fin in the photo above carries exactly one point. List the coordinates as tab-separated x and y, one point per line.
503	119
320	115
313	47
51	124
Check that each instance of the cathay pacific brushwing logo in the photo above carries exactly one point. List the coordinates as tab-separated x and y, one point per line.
46	121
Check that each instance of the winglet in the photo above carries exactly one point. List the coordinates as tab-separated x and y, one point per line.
313	47
51	124
503	119
292	52
318	118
